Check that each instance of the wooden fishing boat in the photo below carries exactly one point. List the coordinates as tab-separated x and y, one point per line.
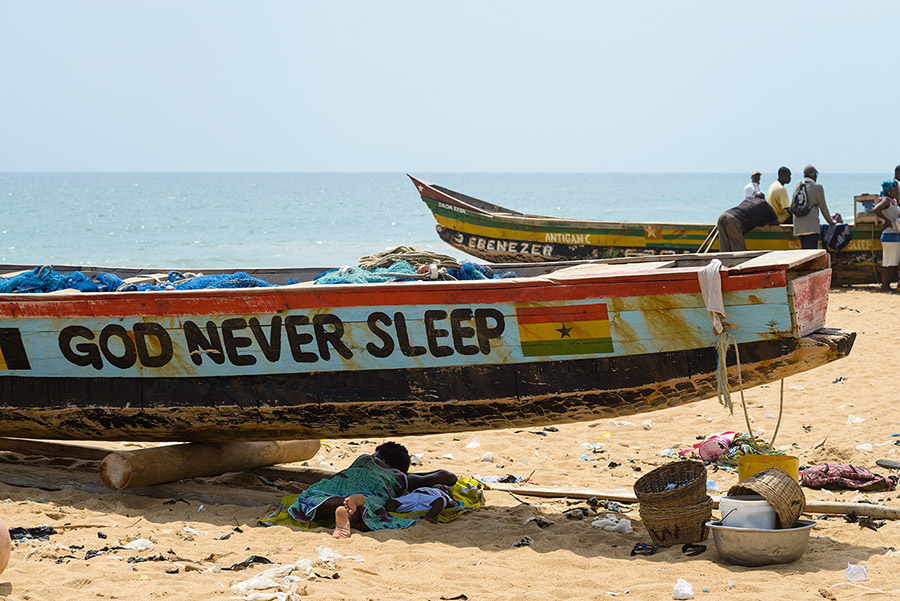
494	233
560	342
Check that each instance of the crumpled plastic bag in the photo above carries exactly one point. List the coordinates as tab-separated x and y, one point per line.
683	590
857	573
613	524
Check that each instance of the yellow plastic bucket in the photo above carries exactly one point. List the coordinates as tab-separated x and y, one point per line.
753	464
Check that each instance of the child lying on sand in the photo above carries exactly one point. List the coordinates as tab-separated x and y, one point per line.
356	496
430	498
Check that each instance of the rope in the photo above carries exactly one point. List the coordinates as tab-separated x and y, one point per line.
411	255
725	395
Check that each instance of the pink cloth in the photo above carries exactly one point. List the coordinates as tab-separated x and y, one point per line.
843	476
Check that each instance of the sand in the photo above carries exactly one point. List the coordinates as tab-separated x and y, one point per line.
475	557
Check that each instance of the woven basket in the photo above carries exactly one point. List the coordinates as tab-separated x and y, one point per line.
688	476
669	526
778	488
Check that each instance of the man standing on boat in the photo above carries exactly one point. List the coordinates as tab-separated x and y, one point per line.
735	223
779	197
752	189
806	227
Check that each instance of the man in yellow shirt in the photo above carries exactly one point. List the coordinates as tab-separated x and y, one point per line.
778	196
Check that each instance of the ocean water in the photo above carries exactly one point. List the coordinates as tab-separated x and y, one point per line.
242	220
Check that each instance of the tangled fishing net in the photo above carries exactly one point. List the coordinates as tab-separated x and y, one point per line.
46	279
400	264
406	263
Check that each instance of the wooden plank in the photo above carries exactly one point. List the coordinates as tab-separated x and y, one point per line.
45	448
784	259
823	507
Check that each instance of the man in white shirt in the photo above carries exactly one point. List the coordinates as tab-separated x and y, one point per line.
752	189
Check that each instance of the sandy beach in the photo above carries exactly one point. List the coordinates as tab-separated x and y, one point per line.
476	557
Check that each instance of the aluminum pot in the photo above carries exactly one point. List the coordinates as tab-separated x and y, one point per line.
757	547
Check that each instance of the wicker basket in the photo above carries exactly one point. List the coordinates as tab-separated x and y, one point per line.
669	526
688	476
778	488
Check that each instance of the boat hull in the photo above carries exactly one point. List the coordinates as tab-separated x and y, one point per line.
496	234
560	343
396	402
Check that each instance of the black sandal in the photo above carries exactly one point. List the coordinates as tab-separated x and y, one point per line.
691	550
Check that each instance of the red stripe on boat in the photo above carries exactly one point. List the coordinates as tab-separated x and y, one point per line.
272	300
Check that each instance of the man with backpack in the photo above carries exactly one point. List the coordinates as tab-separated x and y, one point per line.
808	201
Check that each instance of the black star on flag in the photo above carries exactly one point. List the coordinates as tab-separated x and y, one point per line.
564	332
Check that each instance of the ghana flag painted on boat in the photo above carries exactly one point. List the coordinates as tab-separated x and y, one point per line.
564	330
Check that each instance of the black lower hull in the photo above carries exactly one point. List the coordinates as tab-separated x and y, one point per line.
389	402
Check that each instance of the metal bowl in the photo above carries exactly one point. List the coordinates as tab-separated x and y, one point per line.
755	547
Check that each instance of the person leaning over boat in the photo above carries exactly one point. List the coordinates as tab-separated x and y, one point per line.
734	223
806	227
752	189
778	195
886	208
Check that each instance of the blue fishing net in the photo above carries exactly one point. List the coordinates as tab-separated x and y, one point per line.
178	281
401	271
46	279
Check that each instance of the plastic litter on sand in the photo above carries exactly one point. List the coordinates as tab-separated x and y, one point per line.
857	573
683	590
613	524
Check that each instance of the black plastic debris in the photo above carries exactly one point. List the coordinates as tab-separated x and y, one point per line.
100	534
526	541
509	479
460	597
538	433
250	561
551	429
539	521
36	533
613	464
607	504
173	501
225	536
62	557
95	552
334	576
576	513
807	428
147	558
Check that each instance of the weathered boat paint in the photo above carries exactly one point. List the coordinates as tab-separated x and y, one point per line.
494	233
574	342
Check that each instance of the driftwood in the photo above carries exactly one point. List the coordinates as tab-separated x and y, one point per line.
823	507
144	467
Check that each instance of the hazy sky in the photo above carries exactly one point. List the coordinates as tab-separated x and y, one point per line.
417	86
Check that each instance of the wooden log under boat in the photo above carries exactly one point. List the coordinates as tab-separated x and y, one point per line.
500	235
145	467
